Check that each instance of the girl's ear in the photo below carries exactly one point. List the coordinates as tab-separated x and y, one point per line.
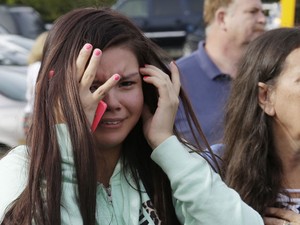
265	99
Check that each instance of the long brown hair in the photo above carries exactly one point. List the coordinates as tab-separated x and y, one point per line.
40	201
252	166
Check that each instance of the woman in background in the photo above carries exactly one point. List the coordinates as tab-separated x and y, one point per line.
262	127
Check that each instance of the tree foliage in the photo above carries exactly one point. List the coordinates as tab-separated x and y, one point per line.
52	9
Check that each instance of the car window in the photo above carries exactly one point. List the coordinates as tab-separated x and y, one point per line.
134	8
6	21
29	22
195	6
166	8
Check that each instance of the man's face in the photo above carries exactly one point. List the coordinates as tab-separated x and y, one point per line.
244	21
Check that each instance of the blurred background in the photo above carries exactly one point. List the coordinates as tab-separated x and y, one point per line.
175	25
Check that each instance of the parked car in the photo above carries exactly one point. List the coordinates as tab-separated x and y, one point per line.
3	30
192	41
166	22
14	49
12	103
21	20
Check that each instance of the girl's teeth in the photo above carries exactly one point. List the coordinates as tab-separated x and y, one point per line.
111	123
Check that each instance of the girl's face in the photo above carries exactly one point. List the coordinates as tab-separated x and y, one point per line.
124	101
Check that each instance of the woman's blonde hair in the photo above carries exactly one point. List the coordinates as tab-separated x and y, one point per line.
36	52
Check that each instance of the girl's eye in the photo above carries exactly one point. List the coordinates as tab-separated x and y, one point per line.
126	84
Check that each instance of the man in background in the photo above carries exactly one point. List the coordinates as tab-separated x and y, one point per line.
206	74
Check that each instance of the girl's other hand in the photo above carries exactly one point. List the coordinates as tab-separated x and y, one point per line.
159	127
278	216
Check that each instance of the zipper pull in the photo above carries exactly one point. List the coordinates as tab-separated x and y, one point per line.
109	197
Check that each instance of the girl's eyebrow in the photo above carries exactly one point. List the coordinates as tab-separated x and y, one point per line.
123	77
130	75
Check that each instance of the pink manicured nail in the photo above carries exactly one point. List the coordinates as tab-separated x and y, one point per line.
51	73
88	46
117	77
97	52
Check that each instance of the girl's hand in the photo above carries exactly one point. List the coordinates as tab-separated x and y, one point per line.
86	75
159	127
277	216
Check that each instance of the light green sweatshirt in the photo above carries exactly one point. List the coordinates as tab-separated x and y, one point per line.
199	195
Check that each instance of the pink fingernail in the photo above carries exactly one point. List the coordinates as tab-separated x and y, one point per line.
97	52
88	46
51	73
117	77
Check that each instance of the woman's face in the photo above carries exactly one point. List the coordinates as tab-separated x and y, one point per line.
286	97
124	101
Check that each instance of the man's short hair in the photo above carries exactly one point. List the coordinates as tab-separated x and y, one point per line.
210	8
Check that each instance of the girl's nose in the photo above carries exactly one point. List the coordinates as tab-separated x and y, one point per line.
112	101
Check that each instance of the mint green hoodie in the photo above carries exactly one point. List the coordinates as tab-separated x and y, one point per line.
199	195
